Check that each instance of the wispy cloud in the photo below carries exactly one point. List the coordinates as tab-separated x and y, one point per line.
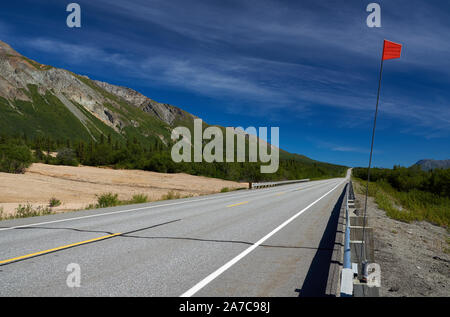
339	147
78	53
275	57
281	85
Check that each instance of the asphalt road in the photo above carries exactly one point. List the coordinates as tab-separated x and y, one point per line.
267	242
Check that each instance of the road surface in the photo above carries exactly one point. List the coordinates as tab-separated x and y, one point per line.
267	242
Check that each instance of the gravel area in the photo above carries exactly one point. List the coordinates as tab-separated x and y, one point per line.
414	258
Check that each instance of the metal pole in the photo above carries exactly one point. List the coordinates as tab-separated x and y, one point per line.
363	253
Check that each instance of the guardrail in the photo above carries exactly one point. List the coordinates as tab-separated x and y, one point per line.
347	258
347	271
271	184
351	193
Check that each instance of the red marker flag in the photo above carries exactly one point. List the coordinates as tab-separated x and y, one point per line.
391	50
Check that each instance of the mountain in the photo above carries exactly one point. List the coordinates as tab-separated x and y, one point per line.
429	164
41	99
40	102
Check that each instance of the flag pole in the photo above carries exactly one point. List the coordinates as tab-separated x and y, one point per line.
363	253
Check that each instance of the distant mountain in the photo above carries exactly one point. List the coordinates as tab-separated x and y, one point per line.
429	164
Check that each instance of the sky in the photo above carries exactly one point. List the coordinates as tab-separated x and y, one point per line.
310	68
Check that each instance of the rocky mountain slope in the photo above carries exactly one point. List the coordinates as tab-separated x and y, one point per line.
37	99
42	99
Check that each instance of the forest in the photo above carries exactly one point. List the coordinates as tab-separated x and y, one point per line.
409	194
405	179
19	151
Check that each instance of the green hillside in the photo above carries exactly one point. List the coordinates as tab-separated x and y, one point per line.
45	109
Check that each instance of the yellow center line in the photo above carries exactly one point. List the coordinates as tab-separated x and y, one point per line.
58	248
242	203
278	194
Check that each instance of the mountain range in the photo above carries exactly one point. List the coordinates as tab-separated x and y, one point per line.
38	99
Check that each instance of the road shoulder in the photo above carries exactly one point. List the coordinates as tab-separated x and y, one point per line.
414	257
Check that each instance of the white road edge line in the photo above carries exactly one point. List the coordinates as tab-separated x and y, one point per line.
127	210
233	261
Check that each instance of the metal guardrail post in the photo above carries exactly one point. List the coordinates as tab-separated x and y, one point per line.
347	272
347	259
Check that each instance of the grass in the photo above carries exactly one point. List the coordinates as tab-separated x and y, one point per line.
171	195
447	249
138	199
409	206
227	189
25	211
37	65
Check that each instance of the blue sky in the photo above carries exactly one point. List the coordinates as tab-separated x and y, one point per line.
308	67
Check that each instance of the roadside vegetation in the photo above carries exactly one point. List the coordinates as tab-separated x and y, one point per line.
18	152
171	195
54	202
103	201
409	194
15	157
228	189
112	200
25	211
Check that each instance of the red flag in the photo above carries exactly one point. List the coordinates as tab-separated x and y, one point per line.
391	50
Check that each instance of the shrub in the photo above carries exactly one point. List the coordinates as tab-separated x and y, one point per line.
66	156
14	158
138	199
112	200
107	200
416	205
225	190
29	211
54	202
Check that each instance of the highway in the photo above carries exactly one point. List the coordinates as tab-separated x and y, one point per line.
267	242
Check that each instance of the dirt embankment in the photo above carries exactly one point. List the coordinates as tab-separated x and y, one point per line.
77	187
414	258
